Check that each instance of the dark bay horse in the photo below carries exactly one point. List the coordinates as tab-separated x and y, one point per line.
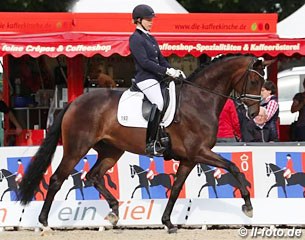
91	122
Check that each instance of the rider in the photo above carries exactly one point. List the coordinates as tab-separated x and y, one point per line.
20	172
289	167
85	169
150	67
151	171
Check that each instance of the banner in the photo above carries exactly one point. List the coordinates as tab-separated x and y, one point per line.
275	178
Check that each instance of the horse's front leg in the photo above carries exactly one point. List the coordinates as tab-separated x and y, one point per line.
107	157
274	185
183	171
208	157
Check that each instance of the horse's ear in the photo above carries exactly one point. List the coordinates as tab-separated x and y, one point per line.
268	62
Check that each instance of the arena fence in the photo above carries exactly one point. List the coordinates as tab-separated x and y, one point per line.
275	173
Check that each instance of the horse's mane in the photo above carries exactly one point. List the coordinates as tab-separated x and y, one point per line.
275	166
219	58
204	166
137	167
5	171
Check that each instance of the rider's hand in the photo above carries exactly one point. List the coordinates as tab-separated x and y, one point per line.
174	73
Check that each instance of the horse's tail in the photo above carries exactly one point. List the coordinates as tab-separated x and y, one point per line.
110	182
41	161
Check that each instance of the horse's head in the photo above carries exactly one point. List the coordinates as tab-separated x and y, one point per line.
268	169
199	170
272	168
249	81
132	171
1	176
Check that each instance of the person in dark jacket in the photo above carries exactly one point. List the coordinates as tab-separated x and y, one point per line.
257	130
6	110
151	67
298	105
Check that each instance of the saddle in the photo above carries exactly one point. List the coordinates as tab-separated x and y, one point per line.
134	108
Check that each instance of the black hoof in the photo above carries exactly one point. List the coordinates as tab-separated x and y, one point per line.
247	210
172	230
112	218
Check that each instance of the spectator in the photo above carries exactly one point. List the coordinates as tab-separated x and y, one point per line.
242	117
257	130
270	102
298	105
6	110
228	126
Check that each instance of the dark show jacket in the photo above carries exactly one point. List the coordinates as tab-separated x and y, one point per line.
149	62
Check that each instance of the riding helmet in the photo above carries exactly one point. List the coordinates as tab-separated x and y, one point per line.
142	11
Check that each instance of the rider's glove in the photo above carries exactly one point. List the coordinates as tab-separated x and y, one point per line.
174	73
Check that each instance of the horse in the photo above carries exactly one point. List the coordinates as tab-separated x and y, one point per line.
78	183
226	178
90	121
280	181
161	179
12	185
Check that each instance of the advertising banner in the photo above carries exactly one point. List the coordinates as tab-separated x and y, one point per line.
275	178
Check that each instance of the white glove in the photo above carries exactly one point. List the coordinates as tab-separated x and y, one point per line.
174	73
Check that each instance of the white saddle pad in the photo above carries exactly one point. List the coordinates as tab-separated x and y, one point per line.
130	109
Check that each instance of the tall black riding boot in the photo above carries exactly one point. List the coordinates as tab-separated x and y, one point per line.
153	147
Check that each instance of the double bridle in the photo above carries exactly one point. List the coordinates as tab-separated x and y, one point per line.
243	95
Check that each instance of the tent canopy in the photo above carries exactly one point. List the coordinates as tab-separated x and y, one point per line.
293	26
124	6
71	34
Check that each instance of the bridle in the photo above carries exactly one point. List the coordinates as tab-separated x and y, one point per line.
269	170
243	95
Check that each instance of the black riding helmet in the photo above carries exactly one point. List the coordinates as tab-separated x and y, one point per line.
142	11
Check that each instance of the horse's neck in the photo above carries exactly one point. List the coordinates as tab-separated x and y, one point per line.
6	172
218	77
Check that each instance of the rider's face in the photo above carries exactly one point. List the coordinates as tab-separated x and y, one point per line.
147	23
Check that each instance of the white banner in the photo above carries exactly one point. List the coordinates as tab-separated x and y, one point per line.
275	178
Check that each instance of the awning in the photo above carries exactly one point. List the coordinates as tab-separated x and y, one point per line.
72	44
88	34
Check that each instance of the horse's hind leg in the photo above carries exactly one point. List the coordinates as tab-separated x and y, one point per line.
62	172
108	155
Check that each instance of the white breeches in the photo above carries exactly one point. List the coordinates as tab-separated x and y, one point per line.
152	90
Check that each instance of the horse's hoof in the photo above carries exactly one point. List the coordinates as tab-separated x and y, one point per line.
46	231
248	211
112	218
172	230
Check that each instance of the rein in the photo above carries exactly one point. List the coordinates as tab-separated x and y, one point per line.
241	97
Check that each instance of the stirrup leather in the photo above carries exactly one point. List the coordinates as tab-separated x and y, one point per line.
155	148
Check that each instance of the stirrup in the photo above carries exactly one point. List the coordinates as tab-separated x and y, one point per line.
154	149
